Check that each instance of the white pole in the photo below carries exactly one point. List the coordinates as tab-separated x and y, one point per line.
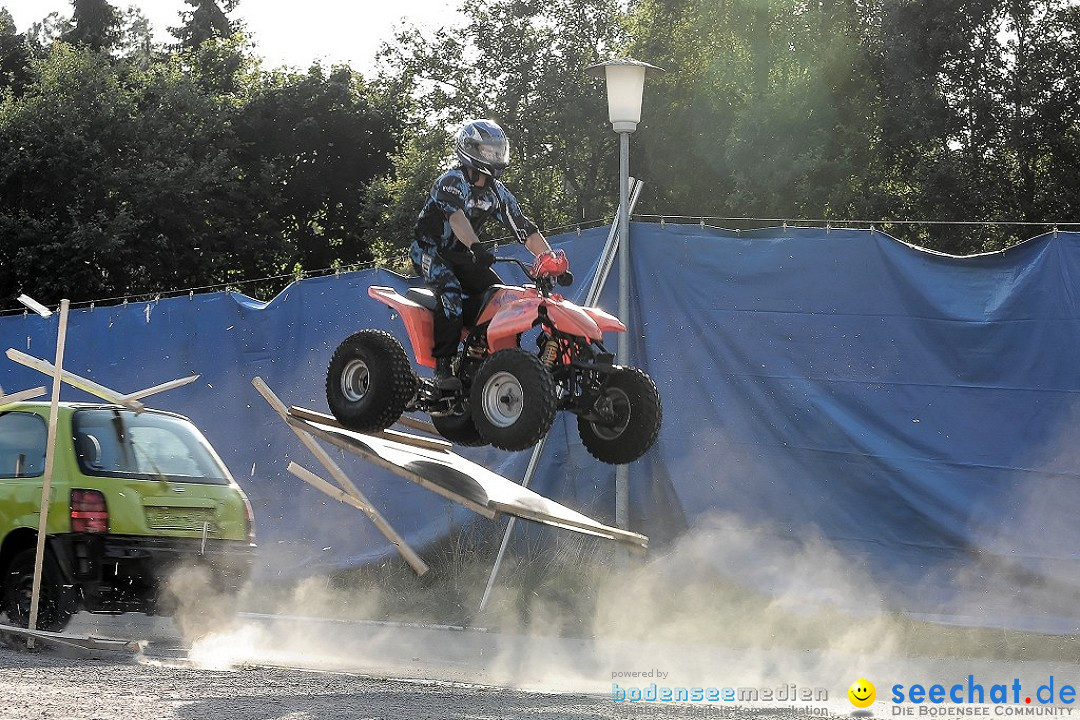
622	472
50	457
533	463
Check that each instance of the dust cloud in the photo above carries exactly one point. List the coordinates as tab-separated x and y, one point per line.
689	617
729	604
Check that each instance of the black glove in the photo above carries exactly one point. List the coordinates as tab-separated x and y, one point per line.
482	256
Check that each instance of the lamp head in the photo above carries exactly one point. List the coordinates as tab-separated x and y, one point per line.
625	80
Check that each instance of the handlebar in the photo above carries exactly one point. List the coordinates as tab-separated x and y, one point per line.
524	268
564	280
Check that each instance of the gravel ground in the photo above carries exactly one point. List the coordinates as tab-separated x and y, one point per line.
338	670
47	685
276	667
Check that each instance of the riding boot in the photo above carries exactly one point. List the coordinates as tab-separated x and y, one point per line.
445	379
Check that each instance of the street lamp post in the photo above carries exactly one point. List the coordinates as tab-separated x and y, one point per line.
625	79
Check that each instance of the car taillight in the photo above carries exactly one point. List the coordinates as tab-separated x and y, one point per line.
89	513
249	519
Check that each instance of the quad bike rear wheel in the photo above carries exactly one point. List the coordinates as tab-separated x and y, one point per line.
459	429
369	381
629	406
512	400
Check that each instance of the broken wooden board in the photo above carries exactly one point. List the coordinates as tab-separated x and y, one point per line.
430	443
20	396
346	485
130	400
460	480
86	645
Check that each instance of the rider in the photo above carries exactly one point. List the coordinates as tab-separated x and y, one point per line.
446	251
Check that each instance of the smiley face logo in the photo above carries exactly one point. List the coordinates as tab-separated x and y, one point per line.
862	693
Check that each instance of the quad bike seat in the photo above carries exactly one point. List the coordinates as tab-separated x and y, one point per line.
471	304
422	296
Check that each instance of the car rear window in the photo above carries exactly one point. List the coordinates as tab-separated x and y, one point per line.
22	444
121	443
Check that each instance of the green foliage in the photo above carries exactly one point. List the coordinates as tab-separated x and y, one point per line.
96	24
121	177
396	198
14	55
322	137
871	109
978	119
765	109
207	20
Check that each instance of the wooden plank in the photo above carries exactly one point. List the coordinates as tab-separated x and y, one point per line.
396	436
50	462
418	425
339	475
415	440
328	488
340	438
404	421
83	642
74	380
35	305
341	496
22	395
634	541
468	483
139	395
324	418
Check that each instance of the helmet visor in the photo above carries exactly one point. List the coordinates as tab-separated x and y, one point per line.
494	152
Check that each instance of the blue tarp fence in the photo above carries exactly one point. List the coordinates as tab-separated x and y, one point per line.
916	412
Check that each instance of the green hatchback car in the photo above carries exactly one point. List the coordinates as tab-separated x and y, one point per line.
135	497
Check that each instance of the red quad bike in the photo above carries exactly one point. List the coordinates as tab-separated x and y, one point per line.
509	396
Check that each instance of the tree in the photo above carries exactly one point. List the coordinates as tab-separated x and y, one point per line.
323	137
394	199
41	35
120	180
136	41
1040	117
97	25
14	55
765	109
115	182
979	118
63	226
207	20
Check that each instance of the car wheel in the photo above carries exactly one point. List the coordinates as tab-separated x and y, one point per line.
56	601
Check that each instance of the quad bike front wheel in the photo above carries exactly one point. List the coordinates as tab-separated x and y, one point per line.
625	420
369	381
512	400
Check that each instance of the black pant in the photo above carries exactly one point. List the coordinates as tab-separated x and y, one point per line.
453	276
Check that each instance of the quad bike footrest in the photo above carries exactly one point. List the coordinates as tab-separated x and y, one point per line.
601	362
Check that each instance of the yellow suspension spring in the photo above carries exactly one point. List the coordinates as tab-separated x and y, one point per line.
551	352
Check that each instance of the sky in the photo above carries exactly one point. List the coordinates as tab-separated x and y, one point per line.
330	31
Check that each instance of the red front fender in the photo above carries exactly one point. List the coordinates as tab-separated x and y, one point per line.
514	311
604	320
